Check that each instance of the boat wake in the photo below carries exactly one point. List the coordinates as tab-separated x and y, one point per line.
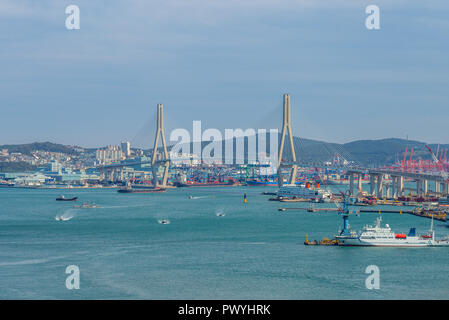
119	207
220	214
29	261
66	216
254	243
198	197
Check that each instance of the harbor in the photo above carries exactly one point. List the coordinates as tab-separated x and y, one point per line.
240	242
224	159
277	221
436	213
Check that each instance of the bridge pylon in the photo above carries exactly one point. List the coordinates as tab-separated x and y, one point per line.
165	161
286	128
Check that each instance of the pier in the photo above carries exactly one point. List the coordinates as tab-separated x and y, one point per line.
437	215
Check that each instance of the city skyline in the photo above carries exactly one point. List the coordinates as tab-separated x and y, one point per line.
226	64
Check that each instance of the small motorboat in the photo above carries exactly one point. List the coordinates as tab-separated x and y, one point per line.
63	218
220	214
87	205
63	198
164	221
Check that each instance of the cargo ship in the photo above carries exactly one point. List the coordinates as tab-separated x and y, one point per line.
140	190
228	183
261	183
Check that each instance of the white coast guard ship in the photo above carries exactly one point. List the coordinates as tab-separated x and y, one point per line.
379	236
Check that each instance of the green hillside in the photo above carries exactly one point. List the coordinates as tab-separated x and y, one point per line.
42	146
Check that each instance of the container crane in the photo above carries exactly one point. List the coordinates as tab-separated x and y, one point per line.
438	163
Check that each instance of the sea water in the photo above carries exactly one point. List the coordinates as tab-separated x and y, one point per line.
249	251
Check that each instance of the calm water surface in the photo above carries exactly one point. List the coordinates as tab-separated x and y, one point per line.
252	252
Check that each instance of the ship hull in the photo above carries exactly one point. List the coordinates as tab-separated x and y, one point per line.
6	185
220	184
355	242
262	183
67	199
140	190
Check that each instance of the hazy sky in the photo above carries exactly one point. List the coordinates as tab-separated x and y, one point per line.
224	62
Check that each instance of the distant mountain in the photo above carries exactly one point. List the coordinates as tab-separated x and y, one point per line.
388	151
41	146
368	153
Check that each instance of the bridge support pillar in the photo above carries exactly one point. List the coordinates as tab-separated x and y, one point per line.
394	189
359	183
286	130
155	162
400	186
372	184
418	187
351	184
437	187
426	187
380	187
445	188
111	175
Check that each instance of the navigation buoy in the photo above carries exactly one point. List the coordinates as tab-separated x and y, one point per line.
244	198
